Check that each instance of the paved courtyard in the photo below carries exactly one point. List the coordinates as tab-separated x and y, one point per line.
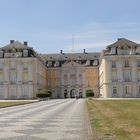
62	119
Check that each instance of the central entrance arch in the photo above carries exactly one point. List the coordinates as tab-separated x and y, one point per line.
73	93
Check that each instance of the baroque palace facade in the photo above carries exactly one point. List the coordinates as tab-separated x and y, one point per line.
115	72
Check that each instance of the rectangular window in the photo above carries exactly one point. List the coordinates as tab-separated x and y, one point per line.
127	90
25	66
113	64
1	92
139	90
138	75
138	63
127	75
13	77
25	91
114	76
49	83
0	67
126	63
25	76
114	90
13	92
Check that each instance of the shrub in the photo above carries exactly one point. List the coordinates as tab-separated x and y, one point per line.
44	94
89	93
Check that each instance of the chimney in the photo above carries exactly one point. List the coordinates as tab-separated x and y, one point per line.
120	39
84	51
61	51
25	43
12	41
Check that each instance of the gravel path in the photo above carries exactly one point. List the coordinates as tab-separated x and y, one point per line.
62	119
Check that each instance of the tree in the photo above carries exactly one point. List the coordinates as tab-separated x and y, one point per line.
44	94
89	93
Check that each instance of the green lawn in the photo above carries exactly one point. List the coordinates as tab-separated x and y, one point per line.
119	119
8	104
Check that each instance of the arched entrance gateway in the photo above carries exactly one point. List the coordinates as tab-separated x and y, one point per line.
73	93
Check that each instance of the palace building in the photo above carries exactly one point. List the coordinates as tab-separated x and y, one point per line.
71	74
22	71
119	70
115	72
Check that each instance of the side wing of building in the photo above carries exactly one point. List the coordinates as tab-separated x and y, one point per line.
22	72
119	70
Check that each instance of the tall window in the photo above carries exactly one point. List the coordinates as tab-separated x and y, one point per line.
114	76
25	76
138	75
113	64
13	92
126	63
65	80
138	63
73	80
25	91
114	90
127	90
49	83
0	67
1	92
13	76
1	80
139	90
13	66
127	75
80	80
25	66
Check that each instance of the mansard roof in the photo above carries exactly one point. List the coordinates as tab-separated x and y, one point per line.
15	45
123	42
71	56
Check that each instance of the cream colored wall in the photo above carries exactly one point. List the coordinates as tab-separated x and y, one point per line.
92	79
24	77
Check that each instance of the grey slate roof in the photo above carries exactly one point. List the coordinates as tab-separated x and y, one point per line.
123	42
16	45
71	56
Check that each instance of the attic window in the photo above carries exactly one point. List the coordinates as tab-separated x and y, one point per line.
50	57
66	57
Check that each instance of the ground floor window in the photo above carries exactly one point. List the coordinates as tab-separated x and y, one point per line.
1	92
13	91
139	90
114	90
25	91
127	90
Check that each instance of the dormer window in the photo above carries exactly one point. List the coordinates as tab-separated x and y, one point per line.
126	50
56	64
49	63
87	62
25	53
13	50
95	63
113	50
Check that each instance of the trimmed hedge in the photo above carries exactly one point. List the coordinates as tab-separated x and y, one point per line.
89	93
44	94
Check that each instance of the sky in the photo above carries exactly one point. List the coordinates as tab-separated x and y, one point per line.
69	25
